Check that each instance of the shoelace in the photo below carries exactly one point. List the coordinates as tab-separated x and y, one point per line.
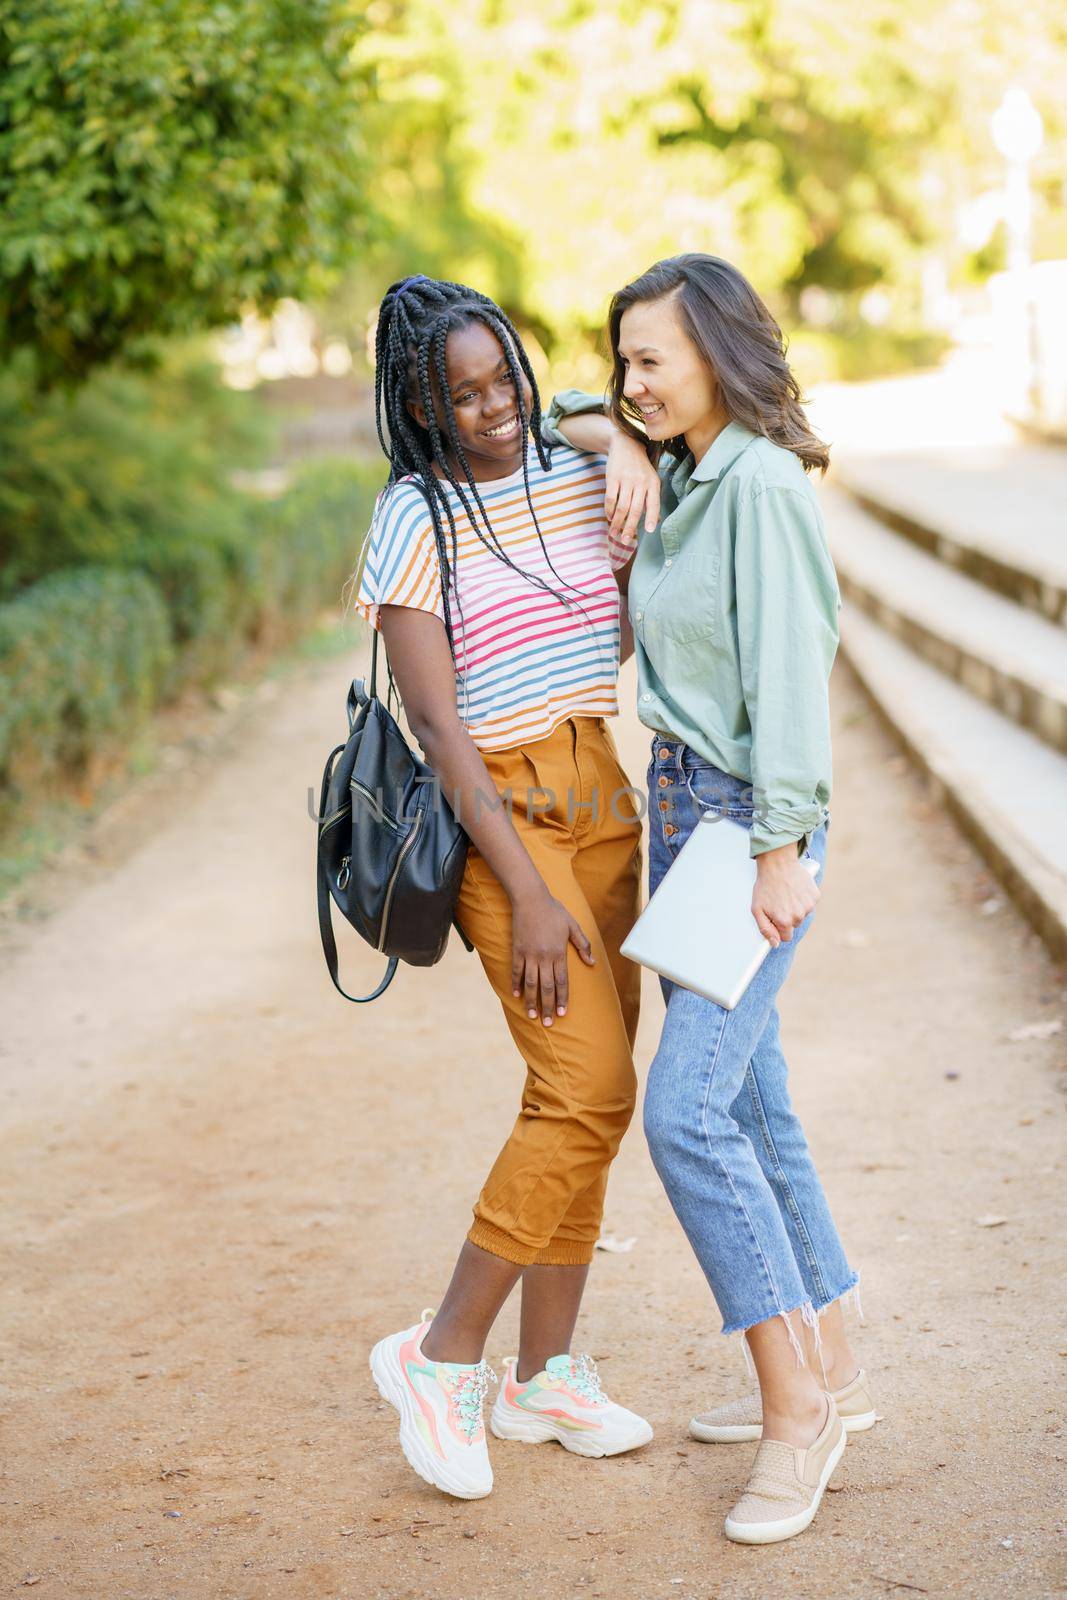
586	1379
468	1395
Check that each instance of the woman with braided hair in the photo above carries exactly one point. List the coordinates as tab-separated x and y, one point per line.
494	578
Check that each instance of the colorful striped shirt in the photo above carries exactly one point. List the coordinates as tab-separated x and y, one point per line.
525	660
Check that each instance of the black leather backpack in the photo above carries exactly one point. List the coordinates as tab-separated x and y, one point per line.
390	852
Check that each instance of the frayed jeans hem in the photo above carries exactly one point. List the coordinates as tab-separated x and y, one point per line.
810	1312
851	1289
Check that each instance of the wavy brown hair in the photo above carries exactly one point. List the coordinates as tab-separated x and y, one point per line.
739	340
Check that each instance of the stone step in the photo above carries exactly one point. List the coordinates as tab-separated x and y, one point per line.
1005	655
998	514
1006	788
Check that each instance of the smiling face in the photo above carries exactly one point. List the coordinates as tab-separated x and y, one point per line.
484	401
666	377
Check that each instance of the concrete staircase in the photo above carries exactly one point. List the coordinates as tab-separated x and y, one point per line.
954	578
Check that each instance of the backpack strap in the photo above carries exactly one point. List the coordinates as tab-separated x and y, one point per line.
329	944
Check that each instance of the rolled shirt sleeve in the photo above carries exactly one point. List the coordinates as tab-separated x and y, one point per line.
568	403
787	616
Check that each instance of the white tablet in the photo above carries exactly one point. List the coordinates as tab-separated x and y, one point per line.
698	928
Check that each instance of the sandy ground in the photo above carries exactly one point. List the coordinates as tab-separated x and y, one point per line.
223	1183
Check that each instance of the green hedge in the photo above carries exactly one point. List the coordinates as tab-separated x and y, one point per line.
286	567
134	469
86	653
83	657
308	544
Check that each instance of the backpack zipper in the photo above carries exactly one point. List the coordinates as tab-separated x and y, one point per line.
379	810
335	816
405	849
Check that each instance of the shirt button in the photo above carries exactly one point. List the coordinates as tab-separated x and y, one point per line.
669	828
646	697
669	562
663	780
638	615
664	805
664	755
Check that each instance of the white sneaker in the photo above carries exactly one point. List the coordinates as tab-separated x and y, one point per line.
440	1406
565	1402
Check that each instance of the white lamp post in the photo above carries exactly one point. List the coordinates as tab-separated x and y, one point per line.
1017	132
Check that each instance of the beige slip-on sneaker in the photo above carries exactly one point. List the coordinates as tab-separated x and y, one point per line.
742	1419
786	1485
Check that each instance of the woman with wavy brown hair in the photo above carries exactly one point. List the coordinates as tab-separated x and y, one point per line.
734	601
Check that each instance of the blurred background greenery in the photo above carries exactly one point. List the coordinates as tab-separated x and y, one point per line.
264	168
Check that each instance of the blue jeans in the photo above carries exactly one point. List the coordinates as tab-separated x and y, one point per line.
724	1139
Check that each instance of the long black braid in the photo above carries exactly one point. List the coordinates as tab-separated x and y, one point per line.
415	319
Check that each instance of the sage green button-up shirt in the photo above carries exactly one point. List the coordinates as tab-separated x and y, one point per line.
734	603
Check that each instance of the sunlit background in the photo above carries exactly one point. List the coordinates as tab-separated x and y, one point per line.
222	1184
203	203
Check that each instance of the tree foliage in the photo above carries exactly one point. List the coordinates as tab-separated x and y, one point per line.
813	142
415	118
166	163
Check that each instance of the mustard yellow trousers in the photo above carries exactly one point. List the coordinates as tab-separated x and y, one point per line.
573	807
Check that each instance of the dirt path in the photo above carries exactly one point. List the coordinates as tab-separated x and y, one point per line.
222	1183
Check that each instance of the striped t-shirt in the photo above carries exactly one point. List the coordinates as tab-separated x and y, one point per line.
525	660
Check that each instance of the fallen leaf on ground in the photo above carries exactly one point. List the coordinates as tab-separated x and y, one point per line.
616	1246
1036	1030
